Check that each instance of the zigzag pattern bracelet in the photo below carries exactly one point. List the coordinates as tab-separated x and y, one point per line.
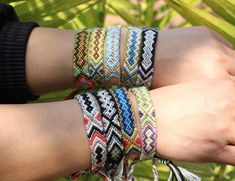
111	56
112	131
147	122
145	73
94	128
131	138
96	53
129	71
80	58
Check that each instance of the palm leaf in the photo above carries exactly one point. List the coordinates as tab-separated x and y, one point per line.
200	17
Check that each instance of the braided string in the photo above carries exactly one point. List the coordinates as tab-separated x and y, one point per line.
145	72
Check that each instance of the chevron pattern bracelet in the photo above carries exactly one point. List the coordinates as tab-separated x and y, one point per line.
145	69
95	130
80	59
112	131
131	138
111	56
129	70
97	60
147	122
96	53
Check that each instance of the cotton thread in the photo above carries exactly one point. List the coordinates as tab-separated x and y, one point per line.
112	130
146	65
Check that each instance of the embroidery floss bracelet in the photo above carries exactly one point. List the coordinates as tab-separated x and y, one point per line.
145	73
111	56
80	58
94	128
131	138
147	122
96	53
129	71
112	131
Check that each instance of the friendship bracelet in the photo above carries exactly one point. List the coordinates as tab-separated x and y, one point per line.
112	131
111	56
82	38
145	73
131	138
147	122
94	128
96	53
129	71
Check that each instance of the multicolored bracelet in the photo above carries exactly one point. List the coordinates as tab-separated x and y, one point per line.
95	130
111	56
145	72
112	131
129	70
131	140
97	60
96	54
147	122
80	59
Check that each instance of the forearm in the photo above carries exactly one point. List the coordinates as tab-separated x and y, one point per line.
45	141
42	141
49	59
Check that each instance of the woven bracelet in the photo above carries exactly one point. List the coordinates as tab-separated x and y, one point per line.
111	56
94	128
145	69
147	122
80	59
131	138
96	55
129	70
112	131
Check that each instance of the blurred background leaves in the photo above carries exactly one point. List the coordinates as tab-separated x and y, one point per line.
219	15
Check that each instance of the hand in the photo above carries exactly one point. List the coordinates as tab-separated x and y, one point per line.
195	121
188	54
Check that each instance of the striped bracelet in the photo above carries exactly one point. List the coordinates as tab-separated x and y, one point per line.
147	122
145	69
112	131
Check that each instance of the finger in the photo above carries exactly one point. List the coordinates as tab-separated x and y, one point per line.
228	155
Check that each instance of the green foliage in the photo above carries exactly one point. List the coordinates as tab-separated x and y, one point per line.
73	14
218	15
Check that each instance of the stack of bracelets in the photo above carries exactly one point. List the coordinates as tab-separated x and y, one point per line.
97	61
116	143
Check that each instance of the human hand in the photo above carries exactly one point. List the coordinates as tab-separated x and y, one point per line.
195	121
188	54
